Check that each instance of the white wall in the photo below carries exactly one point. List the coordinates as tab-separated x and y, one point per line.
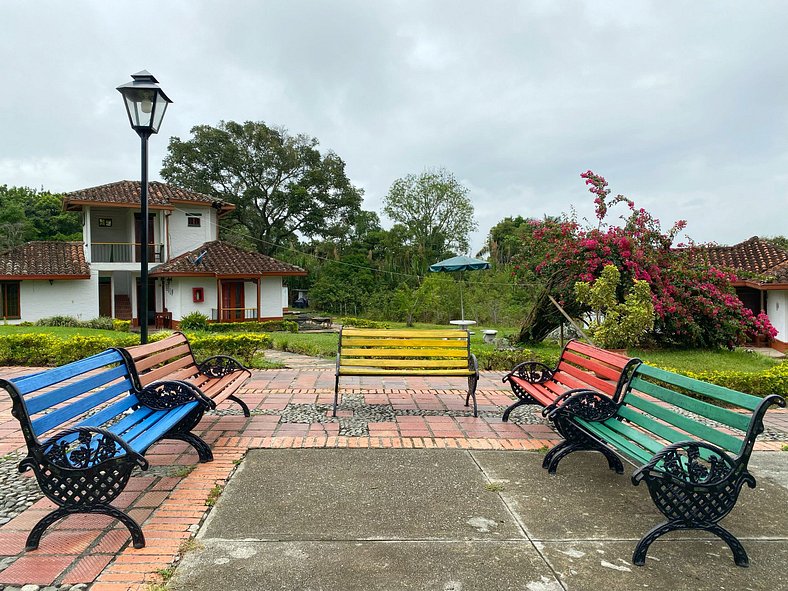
180	302
76	297
182	237
777	309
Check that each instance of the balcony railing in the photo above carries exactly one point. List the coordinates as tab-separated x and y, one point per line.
124	252
233	314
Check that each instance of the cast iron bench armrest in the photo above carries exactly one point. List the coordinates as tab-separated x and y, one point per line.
169	394
533	372
59	449
219	366
681	463
588	405
547	410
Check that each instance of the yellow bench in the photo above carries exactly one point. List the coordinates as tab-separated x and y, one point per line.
373	352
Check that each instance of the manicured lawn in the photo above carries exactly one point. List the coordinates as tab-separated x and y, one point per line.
705	360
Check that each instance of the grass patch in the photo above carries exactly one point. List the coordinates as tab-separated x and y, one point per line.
189	545
495	486
213	496
59	331
166	573
697	360
181	471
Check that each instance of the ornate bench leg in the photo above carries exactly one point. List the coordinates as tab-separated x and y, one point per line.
183	432
137	537
242	404
472	383
336	396
509	410
576	440
739	554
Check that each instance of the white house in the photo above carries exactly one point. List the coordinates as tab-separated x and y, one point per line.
190	269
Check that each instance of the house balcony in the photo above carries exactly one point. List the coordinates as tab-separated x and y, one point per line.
233	314
124	252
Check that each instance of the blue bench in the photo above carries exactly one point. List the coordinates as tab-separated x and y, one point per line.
88	424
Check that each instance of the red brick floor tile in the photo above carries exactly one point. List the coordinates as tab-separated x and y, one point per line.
12	543
67	542
37	570
86	569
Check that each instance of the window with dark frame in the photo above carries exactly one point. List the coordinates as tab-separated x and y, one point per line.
193	221
198	294
9	299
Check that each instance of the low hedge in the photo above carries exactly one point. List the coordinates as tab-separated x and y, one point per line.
361	322
42	349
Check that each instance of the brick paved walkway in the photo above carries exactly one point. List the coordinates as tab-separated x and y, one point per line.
290	409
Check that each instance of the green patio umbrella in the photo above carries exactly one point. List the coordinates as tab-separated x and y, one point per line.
460	263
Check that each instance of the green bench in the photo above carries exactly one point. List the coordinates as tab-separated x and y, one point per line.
690	441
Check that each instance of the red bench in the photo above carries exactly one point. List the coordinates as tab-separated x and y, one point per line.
580	367
218	377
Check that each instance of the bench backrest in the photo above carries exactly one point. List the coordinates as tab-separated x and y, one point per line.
660	403
586	365
163	359
46	400
404	349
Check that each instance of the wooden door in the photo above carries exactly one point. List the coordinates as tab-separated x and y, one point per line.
105	296
232	301
138	239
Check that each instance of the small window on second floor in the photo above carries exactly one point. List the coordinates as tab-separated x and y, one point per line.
193	221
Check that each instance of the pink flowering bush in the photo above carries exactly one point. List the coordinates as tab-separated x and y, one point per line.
694	305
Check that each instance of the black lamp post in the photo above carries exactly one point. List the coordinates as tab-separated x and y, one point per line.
145	104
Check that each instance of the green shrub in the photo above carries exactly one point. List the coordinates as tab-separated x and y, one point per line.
243	346
68	321
361	322
502	360
121	325
267	326
100	323
27	349
194	321
78	347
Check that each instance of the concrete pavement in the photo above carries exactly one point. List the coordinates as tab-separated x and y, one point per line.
455	520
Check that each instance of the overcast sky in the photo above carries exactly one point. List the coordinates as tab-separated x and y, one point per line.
682	106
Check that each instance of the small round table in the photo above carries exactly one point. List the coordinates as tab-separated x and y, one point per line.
462	324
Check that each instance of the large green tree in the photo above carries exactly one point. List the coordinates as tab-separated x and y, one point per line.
27	214
281	185
436	211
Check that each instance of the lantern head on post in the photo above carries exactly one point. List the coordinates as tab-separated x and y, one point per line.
145	103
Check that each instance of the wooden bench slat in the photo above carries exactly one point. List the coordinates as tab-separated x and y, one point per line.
417	334
384	352
145	363
411	343
699	407
60	416
721	393
36	404
585	379
690	426
626	447
603	355
161	373
593	366
405	363
50	377
139	351
351	371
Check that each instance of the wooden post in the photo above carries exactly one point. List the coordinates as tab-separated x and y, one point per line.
259	286
219	299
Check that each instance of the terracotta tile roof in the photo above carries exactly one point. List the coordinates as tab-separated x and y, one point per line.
128	193
45	260
224	259
754	256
